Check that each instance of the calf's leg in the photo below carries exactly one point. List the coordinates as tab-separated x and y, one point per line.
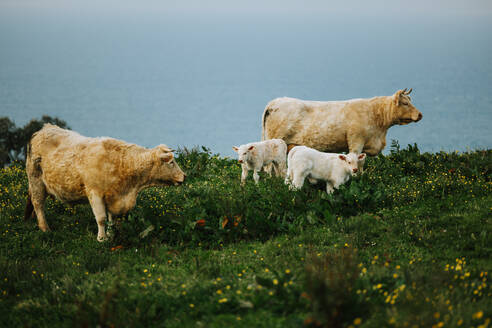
298	179
288	176
244	175
280	168
256	176
268	169
329	187
312	181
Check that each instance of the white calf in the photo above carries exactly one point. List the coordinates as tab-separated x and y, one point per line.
255	155
335	169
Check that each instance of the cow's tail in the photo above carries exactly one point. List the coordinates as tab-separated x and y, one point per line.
28	212
29	207
266	113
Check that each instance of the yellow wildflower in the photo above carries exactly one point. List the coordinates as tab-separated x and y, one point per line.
478	315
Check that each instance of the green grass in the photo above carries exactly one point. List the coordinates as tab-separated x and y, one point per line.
406	244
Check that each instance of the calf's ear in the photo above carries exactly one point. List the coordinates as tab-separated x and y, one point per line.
235	148
166	157
342	157
251	147
361	156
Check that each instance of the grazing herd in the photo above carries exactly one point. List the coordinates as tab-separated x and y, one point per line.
296	136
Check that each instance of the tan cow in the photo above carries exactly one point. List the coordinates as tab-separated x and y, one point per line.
109	173
356	125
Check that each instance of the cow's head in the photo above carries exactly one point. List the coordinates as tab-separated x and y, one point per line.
165	170
244	152
352	162
403	110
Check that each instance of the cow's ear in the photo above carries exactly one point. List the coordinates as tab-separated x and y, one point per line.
163	148
398	96
361	156
251	147
235	149
166	157
342	157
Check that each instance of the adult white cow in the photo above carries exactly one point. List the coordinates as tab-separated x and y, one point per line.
355	126
109	173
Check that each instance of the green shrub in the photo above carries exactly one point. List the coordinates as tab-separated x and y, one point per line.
331	284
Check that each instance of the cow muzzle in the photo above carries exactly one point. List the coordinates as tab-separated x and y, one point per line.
180	182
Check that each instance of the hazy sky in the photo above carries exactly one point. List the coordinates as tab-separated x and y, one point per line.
436	8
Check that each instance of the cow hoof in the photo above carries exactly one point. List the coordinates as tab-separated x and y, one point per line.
102	239
45	228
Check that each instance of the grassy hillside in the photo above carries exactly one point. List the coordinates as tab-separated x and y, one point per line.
407	244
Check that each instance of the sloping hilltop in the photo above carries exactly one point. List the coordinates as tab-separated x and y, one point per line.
406	244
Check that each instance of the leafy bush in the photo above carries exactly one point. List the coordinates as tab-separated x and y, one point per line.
331	284
213	208
14	140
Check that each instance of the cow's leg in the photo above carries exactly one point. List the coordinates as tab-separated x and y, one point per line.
335	184
356	145
99	210
298	179
274	167
312	180
268	169
38	193
360	168
288	176
244	175
110	225
282	168
256	176
329	187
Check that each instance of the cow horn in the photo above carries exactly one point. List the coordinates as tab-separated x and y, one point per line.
409	91
404	90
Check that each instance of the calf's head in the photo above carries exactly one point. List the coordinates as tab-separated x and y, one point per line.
165	170
403	110
352	162
244	153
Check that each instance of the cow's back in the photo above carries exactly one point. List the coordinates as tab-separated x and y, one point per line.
53	155
50	138
317	124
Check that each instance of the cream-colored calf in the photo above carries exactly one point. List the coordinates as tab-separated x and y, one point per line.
264	154
335	169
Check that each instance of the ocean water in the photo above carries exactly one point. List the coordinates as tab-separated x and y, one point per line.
205	80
